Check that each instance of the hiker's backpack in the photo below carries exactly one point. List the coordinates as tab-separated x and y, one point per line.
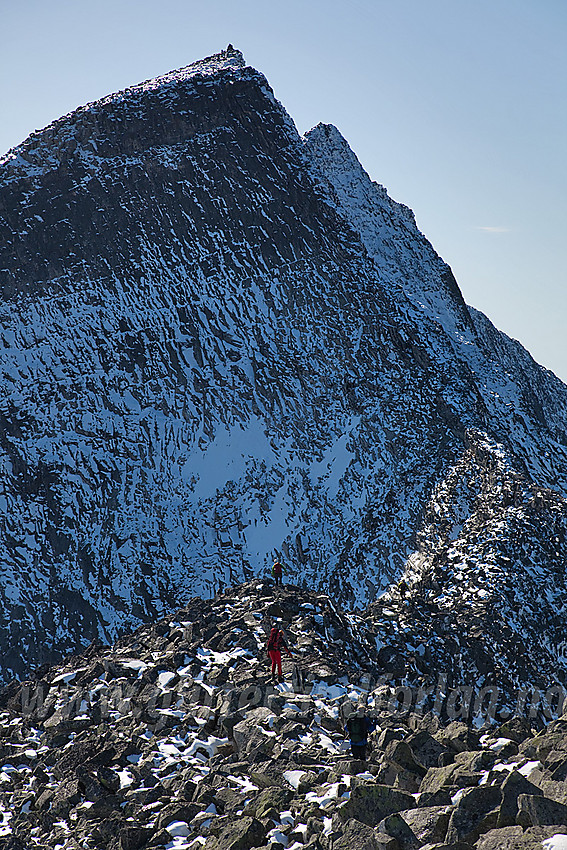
357	728
273	642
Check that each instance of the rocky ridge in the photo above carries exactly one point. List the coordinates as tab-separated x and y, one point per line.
176	738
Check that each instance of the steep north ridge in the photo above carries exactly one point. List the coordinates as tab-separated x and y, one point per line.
221	340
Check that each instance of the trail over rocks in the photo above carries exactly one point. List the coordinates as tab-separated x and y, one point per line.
176	738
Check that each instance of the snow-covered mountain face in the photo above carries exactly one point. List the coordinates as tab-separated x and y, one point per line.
220	341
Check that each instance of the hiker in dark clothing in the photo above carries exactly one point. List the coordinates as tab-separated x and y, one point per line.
277	572
359	727
275	642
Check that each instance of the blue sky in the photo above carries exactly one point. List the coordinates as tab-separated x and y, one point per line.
458	108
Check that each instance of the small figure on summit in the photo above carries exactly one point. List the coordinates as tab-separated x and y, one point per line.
277	572
275	642
359	726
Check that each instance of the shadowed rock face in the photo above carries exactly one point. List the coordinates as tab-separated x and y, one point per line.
200	166
221	341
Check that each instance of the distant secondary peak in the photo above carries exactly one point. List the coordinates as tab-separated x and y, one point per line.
329	131
327	142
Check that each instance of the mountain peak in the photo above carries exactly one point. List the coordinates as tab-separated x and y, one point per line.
31	157
219	344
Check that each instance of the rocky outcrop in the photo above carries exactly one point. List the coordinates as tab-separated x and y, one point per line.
175	737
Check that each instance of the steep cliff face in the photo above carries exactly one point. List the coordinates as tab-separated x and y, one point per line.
221	340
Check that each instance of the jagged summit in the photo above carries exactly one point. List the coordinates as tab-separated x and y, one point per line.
382	224
229	59
220	342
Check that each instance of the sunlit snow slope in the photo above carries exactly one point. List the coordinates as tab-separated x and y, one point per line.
222	341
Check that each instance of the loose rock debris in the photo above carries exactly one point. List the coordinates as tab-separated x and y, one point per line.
176	738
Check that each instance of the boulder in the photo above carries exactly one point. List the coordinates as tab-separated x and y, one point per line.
397	827
429	722
13	842
370	803
543	744
514	785
267	799
307	782
416	827
517	729
503	747
438	778
554	790
91	786
428	824
384	842
106	833
353	767
229	721
388	735
451	775
476	812
442	797
43	799
459	737
263	779
229	799
105	807
399	767
94	750
454	845
250	738
357	834
400	754
515	838
330	724
556	766
539	811
387	773
426	749
133	837
66	797
61	724
123	668
108	779
178	811
241	834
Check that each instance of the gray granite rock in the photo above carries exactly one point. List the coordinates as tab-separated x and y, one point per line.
540	811
370	803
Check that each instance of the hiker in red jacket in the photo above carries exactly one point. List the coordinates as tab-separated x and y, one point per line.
277	572
275	642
